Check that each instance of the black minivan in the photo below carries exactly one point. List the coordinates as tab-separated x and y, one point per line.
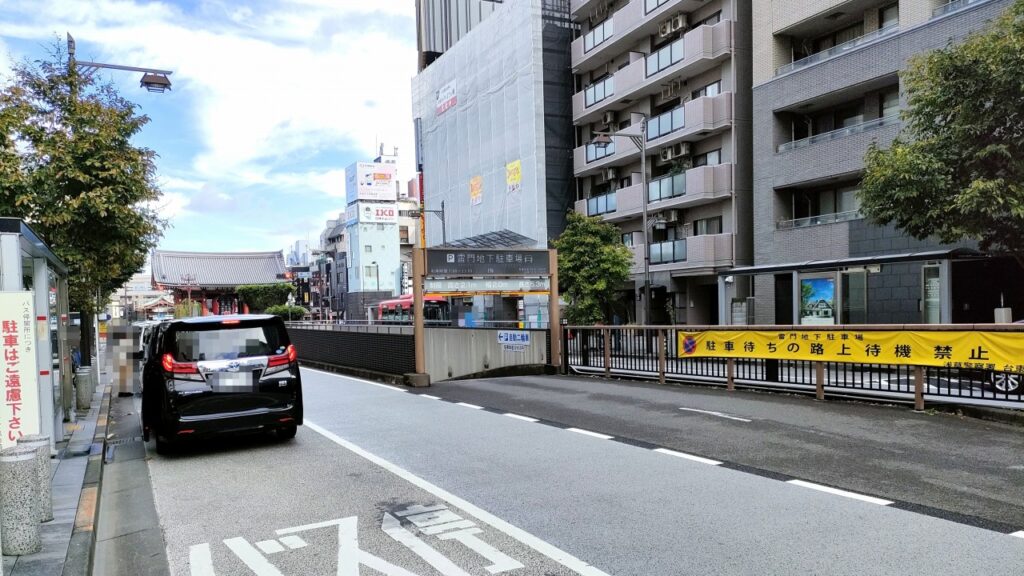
220	374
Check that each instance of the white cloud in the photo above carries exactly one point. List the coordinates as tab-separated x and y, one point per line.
272	85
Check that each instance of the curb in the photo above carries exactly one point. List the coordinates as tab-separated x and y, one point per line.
1012	417
82	548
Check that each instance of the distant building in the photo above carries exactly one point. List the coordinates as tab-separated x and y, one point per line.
298	254
136	299
211	279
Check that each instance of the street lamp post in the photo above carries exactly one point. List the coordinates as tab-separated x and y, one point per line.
376	276
440	214
603	139
153	79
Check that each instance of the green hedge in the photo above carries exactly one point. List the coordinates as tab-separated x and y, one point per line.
283	310
260	297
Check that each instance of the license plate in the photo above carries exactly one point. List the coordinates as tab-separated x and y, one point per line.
236	380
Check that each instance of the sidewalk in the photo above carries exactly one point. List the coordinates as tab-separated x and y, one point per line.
67	539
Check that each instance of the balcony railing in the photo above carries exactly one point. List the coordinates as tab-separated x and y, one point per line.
599	91
598	151
841	133
819	220
671	251
597	36
666	187
665	57
838	49
665	123
954	6
602	204
652	5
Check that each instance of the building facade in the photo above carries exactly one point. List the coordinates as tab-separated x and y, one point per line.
442	23
672	78
826	87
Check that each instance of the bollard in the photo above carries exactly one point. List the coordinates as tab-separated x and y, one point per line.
730	374
661	356
19	494
83	390
43	472
819	380
607	353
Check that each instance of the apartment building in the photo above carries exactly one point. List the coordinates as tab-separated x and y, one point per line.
671	78
826	86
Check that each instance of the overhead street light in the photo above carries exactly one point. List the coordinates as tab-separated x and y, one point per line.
153	80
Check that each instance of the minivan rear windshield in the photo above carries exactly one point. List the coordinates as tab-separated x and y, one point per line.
228	343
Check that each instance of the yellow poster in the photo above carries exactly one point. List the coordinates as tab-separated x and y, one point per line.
1002	351
514	176
476	190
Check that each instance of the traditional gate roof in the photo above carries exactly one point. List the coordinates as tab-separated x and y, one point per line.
216	269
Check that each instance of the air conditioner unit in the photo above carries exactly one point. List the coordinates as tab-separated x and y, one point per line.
665	29
687	228
608	118
681	149
679	22
610	174
672	215
666	155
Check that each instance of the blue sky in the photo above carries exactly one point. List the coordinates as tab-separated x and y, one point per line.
271	100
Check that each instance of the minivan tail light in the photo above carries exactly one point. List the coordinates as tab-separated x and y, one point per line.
289	357
174	367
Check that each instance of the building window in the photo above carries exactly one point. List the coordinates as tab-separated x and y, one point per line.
597	35
368	271
403	234
706	226
599	90
711	20
627	239
889	102
710	158
380	227
368	249
839	37
823	206
889	15
713	89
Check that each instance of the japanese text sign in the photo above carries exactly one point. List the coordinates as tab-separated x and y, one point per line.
469	262
1002	351
19	411
513	340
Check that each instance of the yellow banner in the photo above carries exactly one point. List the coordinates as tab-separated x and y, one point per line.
513	176
1002	351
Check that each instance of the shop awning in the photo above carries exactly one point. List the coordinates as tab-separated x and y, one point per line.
950	254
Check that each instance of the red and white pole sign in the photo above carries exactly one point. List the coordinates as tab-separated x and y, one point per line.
19	411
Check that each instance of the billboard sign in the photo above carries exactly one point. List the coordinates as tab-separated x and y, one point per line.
370	213
19	411
446	98
469	262
370	181
439	285
514	176
476	190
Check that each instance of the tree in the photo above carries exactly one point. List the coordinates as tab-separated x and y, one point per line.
262	297
286	312
956	171
592	265
68	166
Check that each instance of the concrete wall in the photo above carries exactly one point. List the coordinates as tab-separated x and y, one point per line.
455	352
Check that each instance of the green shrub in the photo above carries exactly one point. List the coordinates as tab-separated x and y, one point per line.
260	297
283	310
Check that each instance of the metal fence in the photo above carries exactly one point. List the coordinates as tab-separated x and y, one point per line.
651	353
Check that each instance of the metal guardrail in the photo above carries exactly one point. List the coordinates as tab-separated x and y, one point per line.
650	353
954	6
837	50
840	133
818	220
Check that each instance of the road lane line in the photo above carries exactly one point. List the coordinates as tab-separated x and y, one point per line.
392	527
838	492
718	414
200	561
252	557
363	380
549	550
467	405
589	433
1018	534
429	396
523	418
688	456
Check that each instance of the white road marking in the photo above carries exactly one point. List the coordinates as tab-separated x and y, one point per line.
1018	534
252	557
589	433
393	527
429	396
500	562
293	542
270	546
523	418
718	414
838	492
467	405
350	557
200	560
432	530
363	380
688	456
549	550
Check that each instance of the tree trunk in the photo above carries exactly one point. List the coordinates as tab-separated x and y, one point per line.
86	341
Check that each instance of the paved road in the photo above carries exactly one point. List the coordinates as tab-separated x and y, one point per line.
406	484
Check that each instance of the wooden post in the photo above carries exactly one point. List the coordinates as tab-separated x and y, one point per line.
918	388
819	380
607	352
554	312
730	374
418	333
661	356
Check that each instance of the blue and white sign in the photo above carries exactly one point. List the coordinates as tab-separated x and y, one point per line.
513	340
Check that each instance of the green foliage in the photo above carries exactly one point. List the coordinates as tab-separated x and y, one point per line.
592	265
957	170
183	310
68	166
286	312
261	297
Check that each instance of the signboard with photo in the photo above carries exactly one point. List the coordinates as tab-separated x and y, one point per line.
476	190
818	301
370	181
370	213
